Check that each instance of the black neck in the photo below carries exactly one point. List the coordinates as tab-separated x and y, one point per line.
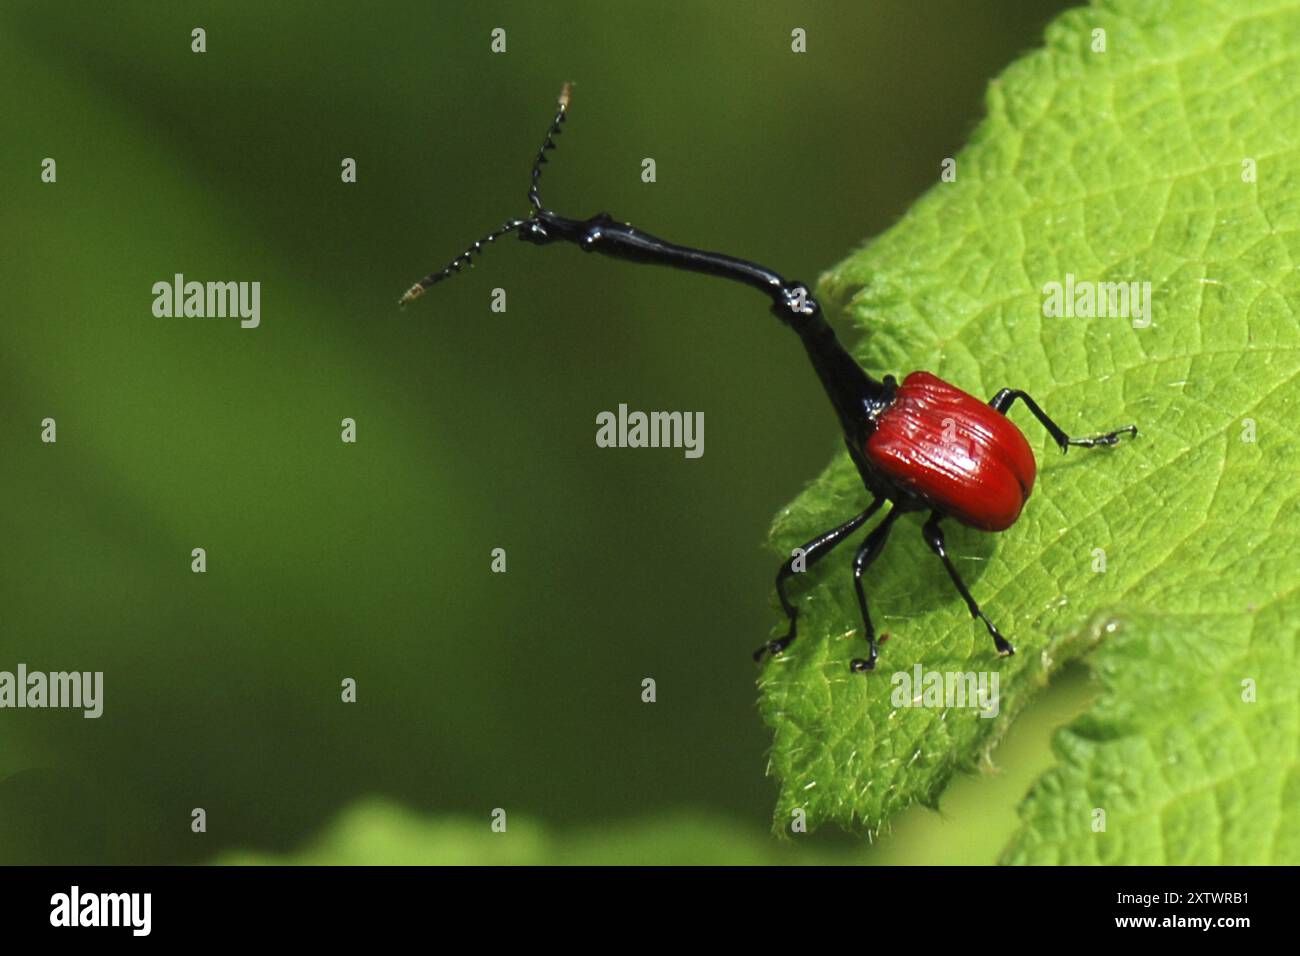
858	398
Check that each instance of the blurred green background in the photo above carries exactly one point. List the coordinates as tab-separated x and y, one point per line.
475	429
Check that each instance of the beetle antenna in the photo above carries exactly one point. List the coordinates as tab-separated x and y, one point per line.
566	94
466	257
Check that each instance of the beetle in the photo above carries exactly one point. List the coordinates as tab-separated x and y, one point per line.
918	445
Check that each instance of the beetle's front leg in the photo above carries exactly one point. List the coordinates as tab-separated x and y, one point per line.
812	552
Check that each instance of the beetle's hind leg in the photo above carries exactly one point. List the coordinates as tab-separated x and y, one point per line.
810	553
1004	399
933	535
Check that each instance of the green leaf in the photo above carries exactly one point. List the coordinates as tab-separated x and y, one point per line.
1194	763
1117	166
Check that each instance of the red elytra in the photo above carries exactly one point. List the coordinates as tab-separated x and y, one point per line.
955	452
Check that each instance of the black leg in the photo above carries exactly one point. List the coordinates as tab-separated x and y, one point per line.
1004	399
934	538
813	551
870	550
